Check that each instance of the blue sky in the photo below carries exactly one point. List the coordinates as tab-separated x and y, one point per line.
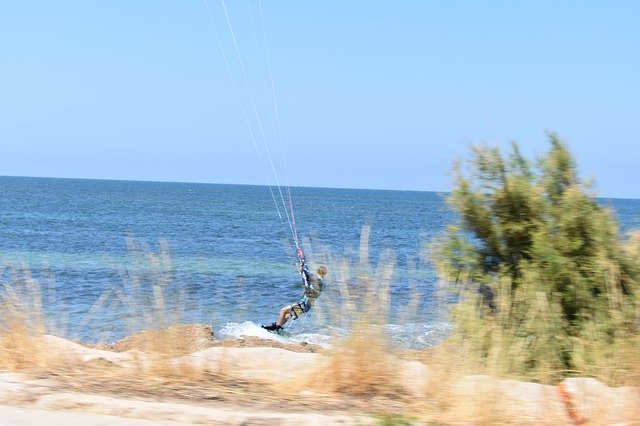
369	94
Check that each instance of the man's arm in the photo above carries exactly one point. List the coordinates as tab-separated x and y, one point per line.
306	275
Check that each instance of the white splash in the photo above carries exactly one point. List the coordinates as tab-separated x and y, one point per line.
233	330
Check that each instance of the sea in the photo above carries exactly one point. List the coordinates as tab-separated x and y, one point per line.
97	260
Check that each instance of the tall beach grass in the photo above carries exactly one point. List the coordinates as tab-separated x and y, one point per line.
364	362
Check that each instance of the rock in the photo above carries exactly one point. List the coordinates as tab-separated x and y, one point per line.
415	377
501	399
598	403
66	350
261	363
179	339
253	341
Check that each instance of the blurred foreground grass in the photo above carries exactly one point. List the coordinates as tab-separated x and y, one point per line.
364	370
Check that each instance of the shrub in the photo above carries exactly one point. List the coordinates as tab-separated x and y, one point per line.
544	278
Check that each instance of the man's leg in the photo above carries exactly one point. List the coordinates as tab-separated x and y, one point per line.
285	314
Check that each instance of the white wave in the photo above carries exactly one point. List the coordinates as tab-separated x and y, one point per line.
412	335
234	330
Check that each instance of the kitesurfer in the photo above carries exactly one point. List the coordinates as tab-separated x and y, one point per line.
313	286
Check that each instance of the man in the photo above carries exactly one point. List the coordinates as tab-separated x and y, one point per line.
313	286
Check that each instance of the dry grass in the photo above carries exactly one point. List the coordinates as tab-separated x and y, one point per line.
360	365
361	371
364	362
20	348
22	325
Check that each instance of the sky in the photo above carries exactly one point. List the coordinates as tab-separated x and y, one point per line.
346	94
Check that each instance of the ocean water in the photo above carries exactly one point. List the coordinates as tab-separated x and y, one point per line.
106	253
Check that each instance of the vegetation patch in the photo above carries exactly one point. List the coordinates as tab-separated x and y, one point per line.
547	287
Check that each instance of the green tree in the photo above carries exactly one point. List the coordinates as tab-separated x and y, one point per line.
563	286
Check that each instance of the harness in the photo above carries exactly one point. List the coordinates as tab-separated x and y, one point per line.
310	289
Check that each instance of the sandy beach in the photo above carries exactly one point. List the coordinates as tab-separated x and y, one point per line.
208	381
183	375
